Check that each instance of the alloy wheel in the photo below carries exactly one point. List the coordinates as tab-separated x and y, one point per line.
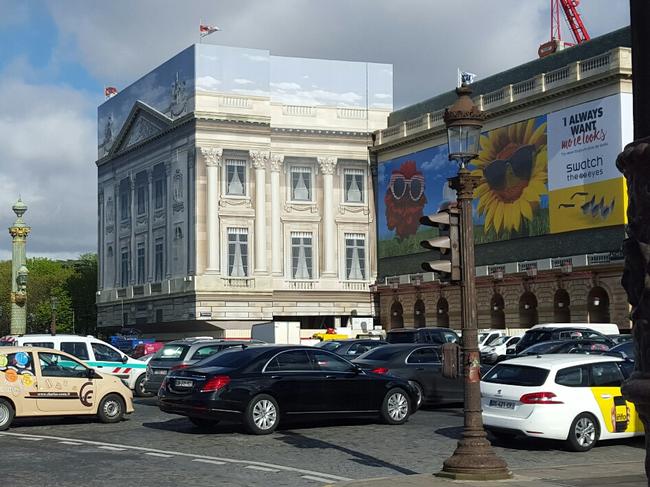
112	408
585	432
397	406
264	414
4	414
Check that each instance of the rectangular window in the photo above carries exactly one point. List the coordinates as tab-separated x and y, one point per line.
355	256
159	255
141	199
158	193
141	264
125	200
159	315
125	264
78	349
238	252
301	183
301	255
235	177
353	182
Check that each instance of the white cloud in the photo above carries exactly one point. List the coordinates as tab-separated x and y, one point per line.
243	81
383	96
207	83
285	86
439	161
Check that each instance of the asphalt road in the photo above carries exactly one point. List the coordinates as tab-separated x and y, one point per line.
152	448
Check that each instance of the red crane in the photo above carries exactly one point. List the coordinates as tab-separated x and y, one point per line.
572	16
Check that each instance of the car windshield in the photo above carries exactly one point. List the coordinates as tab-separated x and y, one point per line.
401	337
534	336
171	352
330	345
543	347
500	341
379	353
516	375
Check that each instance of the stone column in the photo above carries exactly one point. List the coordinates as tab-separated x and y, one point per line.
132	221
18	231
151	246
213	159
169	243
327	166
276	224
259	160
117	251
101	235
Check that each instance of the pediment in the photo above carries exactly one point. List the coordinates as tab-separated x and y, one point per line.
142	124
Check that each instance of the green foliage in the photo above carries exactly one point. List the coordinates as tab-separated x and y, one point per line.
73	283
539	225
410	245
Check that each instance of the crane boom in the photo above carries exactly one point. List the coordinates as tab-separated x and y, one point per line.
578	29
574	20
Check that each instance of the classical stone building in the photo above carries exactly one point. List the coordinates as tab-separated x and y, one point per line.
550	211
234	188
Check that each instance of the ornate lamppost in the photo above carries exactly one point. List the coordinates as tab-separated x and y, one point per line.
474	458
19	231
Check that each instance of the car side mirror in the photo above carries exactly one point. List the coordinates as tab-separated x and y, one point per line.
125	359
92	374
510	351
356	369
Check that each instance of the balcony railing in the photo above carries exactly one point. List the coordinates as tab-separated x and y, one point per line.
239	282
355	286
300	285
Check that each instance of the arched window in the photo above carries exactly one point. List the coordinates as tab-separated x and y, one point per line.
497	315
528	310
598	305
396	315
418	314
561	306
442	313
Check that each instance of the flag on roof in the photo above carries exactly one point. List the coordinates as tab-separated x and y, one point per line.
465	78
205	30
110	91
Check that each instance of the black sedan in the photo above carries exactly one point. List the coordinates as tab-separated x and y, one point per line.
418	364
586	346
260	385
350	348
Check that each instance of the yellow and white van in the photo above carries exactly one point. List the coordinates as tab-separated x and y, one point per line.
46	382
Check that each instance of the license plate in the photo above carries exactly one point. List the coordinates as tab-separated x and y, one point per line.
159	371
496	403
183	383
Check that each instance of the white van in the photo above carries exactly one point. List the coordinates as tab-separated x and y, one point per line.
604	328
93	352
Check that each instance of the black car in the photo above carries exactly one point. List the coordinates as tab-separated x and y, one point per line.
422	335
625	350
259	385
546	334
183	353
350	348
418	364
586	346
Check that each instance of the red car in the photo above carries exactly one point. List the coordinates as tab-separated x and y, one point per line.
146	349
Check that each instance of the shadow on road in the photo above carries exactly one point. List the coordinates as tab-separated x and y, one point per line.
300	441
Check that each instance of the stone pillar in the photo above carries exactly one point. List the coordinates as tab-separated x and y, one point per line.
18	231
132	220
101	235
169	243
276	224
151	246
117	251
327	166
190	212
213	159
259	160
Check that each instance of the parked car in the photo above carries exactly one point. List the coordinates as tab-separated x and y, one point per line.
496	350
544	334
418	364
618	339
569	397
487	337
586	346
260	385
146	349
179	354
350	348
625	350
46	382
422	335
94	352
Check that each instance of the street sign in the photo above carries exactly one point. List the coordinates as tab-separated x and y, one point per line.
446	243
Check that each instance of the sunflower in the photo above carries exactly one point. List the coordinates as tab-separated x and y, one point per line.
512	164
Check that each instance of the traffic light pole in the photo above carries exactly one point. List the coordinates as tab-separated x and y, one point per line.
474	458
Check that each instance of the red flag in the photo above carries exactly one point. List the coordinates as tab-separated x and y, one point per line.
205	30
110	91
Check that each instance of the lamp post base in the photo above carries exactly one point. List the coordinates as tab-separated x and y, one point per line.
474	459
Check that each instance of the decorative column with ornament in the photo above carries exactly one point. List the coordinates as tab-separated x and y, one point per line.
19	231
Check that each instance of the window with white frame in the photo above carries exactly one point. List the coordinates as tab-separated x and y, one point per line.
301	183
235	177
353	185
355	256
301	256
237	252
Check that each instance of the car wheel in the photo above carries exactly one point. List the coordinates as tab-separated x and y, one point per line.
584	433
419	392
262	415
7	414
111	409
204	423
396	407
139	387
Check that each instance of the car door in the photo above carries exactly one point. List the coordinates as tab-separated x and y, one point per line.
108	360
294	382
64	385
424	367
618	415
18	380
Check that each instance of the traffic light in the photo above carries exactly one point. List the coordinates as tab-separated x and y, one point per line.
447	243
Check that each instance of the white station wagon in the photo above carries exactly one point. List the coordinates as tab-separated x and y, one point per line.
575	398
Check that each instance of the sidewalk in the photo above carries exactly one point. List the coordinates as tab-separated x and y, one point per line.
622	474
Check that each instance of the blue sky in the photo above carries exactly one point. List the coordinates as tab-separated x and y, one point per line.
56	56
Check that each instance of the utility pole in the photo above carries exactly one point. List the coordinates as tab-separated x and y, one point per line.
19	231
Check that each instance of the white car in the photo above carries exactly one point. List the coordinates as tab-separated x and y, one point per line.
487	337
575	398
495	350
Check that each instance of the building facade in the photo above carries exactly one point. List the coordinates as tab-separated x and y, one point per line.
549	211
235	188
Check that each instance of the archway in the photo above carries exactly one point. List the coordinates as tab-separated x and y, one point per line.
442	313
419	319
561	306
598	305
397	315
497	315
528	310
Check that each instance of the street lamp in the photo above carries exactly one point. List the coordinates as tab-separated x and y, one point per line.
54	301
474	458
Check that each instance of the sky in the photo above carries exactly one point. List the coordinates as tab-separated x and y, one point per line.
56	57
